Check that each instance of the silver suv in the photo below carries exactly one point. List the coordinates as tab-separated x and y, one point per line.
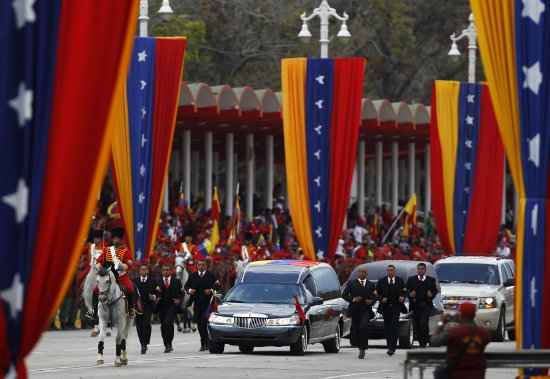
488	282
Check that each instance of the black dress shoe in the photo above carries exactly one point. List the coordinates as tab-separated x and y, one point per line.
203	348
168	349
390	352
361	354
143	349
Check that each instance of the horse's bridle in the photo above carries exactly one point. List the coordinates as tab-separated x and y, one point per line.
105	295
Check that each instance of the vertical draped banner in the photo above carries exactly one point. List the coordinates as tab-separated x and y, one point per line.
143	143
56	136
467	168
514	39
321	118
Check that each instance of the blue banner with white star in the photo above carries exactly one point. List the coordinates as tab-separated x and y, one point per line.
319	89
140	91
514	38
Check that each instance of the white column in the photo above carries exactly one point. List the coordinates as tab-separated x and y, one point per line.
229	172
418	181
387	181
270	170
379	169
412	153
402	179
250	176
196	171
361	156
208	168
187	164
371	180
395	176
427	179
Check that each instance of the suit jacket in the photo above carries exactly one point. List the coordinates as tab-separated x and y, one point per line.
355	289
392	293
144	290
208	281
421	299
167	295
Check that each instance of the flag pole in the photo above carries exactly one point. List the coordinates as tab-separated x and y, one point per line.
393	225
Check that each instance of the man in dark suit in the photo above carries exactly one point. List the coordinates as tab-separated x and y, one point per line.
201	285
147	297
421	289
360	294
391	293
170	291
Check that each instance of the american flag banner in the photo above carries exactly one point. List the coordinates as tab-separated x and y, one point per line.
467	167
144	134
514	37
321	118
55	101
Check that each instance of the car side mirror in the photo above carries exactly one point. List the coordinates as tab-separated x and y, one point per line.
510	283
316	301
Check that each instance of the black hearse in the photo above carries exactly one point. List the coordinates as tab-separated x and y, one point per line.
281	303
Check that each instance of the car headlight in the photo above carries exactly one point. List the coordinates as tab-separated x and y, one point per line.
285	321
222	320
487	302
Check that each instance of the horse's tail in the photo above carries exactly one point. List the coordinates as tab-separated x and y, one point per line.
88	289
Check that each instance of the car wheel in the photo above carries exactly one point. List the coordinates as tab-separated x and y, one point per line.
300	346
512	334
246	349
333	345
406	338
215	347
501	331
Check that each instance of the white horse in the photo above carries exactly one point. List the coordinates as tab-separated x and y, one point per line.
112	306
183	275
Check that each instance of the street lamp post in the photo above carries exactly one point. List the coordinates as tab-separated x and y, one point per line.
165	9
324	12
471	34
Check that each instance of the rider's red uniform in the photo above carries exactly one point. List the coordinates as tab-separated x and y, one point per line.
123	255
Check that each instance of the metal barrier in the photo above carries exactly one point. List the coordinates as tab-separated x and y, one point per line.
425	358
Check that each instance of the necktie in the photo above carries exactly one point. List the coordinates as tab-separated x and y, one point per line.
166	282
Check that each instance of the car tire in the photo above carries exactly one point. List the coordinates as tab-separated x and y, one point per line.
216	347
512	334
405	339
332	346
500	333
246	349
300	346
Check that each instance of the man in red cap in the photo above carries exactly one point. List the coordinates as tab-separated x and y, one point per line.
466	344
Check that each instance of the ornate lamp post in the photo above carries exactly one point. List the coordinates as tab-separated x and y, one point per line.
164	10
324	12
471	34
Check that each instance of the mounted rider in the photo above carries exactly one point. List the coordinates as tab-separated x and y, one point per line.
117	258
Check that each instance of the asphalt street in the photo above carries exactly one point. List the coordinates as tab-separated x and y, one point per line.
72	354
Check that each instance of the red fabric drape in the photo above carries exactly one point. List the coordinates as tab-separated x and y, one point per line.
94	42
344	137
481	232
168	75
436	171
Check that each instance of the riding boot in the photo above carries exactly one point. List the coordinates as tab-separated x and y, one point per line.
131	304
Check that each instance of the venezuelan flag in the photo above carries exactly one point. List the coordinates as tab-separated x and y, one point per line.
321	118
145	121
59	68
514	38
467	168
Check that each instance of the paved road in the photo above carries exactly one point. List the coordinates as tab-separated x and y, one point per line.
72	354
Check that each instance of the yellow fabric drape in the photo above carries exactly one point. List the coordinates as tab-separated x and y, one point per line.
447	95
122	161
495	23
102	164
293	73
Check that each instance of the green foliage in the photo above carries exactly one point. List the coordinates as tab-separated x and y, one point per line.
241	42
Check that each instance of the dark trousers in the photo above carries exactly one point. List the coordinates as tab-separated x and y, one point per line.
167	316
202	323
359	333
421	319
391	326
143	327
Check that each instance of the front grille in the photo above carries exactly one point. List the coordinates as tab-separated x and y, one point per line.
453	302
249	322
